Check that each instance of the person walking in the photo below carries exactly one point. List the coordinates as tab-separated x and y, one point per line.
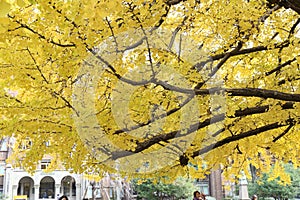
64	197
254	197
198	196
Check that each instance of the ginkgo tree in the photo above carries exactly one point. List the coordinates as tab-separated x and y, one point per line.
148	88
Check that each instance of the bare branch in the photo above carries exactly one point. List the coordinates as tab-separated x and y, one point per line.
68	104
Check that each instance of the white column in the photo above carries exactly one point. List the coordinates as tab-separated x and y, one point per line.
57	190
21	188
14	190
31	191
78	193
70	189
36	192
8	182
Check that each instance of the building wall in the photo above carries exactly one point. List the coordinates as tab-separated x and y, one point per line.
14	176
216	188
13	179
3	157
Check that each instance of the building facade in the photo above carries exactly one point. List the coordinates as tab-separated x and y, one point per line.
39	185
43	185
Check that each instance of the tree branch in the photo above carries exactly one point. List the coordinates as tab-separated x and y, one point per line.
37	66
245	92
174	2
284	132
263	93
145	145
252	50
240	136
279	67
168	113
260	109
40	35
292	4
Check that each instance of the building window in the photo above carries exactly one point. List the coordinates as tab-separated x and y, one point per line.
47	188
25	186
45	163
203	186
25	144
69	186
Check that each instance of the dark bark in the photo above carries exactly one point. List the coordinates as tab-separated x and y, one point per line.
194	127
288	4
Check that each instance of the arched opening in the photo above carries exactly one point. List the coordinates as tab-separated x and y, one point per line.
68	186
26	187
47	188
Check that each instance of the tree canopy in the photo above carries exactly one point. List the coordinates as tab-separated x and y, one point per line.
145	87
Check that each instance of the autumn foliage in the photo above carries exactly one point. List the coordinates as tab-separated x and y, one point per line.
149	88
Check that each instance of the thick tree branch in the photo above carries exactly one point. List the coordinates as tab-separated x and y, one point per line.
260	109
168	136
141	146
238	113
174	2
292	4
251	50
245	92
241	136
263	93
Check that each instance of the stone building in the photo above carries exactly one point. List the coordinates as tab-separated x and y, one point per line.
43	185
15	181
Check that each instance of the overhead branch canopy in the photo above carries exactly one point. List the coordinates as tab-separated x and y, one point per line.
151	88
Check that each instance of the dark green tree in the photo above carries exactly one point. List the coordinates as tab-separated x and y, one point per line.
180	189
264	188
